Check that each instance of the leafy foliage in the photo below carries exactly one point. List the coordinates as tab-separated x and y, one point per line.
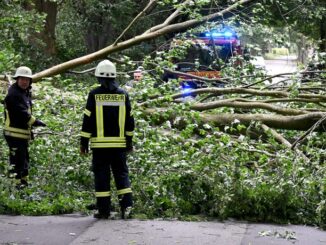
181	166
16	26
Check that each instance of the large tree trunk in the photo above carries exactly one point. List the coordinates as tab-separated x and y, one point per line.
97	39
47	35
322	45
302	49
301	122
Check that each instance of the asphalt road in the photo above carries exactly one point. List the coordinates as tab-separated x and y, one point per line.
78	229
283	64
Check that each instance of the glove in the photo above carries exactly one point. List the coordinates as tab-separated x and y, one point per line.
83	146
83	150
129	147
39	123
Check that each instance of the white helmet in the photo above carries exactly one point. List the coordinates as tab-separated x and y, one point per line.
106	69
23	71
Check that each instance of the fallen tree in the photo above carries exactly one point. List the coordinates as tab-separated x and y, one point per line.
288	109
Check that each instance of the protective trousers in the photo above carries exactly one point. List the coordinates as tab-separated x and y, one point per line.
18	158
106	160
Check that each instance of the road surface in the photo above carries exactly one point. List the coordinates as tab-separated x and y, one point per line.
77	229
283	64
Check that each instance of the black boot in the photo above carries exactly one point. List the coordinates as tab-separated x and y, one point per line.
24	182
126	212
101	215
91	206
21	184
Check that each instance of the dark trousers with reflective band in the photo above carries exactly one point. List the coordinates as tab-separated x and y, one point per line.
18	157
104	161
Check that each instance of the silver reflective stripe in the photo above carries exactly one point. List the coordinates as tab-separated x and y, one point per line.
110	103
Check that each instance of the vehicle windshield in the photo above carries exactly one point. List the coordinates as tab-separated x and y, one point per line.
205	56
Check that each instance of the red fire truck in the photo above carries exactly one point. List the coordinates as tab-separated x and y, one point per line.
208	50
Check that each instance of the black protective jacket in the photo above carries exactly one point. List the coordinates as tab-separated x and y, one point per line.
108	122
18	113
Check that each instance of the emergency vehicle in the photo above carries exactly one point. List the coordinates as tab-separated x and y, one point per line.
204	57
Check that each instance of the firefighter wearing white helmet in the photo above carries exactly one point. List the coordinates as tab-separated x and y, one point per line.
106	69
23	71
18	123
108	126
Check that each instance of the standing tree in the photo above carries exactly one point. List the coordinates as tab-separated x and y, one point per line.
49	9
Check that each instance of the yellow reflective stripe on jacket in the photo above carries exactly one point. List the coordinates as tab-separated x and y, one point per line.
31	121
99	121
124	191
108	145
129	133
108	139
87	112
110	100
122	118
18	130
108	142
85	134
7	122
102	194
17	135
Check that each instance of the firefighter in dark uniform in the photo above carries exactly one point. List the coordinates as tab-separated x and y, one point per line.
18	124
108	125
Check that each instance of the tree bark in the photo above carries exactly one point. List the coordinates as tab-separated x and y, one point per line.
47	35
282	140
247	105
322	45
301	122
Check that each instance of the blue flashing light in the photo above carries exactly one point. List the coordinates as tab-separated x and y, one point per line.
186	90
228	34
219	34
